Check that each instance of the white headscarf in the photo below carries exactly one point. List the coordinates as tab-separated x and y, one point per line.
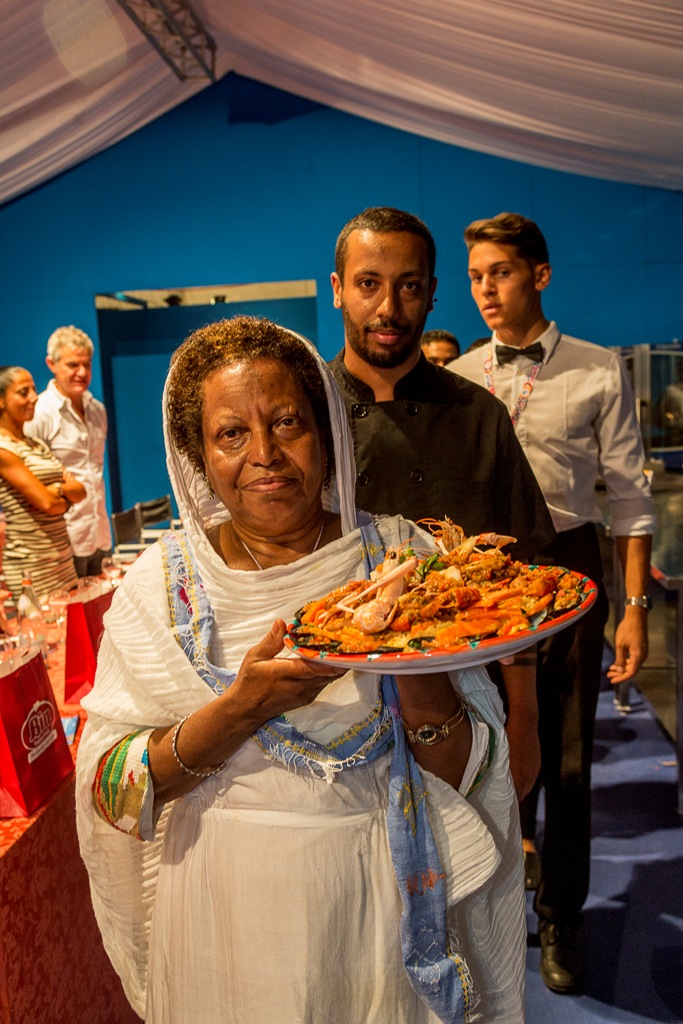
199	509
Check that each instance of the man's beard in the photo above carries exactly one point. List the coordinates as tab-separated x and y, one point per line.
382	358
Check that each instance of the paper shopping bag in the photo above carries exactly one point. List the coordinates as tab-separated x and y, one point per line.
83	635
34	754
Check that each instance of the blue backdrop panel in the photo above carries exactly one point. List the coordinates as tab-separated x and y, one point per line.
135	351
138	385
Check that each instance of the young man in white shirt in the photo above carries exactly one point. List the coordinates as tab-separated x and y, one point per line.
573	410
74	424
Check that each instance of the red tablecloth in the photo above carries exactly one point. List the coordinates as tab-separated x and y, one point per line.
53	968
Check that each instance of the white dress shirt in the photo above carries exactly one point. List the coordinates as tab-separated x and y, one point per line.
79	445
579	425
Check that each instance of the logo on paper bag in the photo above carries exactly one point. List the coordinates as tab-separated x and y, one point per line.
38	731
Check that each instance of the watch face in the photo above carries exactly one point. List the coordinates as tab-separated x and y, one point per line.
428	735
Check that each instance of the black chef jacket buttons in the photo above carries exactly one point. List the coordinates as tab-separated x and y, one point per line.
417	476
412	409
359	411
362	479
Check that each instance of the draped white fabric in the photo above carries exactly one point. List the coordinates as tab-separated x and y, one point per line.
589	86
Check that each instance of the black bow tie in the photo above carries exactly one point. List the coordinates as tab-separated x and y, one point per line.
506	353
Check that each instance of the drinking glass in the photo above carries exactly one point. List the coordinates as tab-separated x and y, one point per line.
58	602
89	587
8	655
23	640
13	648
124	560
111	568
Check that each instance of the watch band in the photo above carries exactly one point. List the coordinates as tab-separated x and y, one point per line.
639	602
429	734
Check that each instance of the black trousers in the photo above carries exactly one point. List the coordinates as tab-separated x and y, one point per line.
569	672
90	565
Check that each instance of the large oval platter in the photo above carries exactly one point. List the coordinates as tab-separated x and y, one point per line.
437	659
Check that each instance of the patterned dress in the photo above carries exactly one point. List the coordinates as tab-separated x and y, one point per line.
37	545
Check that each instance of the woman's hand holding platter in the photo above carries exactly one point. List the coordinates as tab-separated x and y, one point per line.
272	686
266	686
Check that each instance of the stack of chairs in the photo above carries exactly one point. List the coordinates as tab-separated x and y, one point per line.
152	514
134	528
126	527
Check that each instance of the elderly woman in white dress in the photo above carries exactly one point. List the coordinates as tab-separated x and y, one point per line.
267	841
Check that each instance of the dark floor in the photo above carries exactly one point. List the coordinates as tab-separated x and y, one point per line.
633	932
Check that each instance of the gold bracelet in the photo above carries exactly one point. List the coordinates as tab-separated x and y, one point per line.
186	768
428	734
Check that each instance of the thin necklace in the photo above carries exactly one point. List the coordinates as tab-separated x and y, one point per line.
255	559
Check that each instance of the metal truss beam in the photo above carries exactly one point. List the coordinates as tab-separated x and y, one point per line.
176	33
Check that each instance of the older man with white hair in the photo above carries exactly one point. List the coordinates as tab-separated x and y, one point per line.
74	424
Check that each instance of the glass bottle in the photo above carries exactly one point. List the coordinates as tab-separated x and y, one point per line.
28	605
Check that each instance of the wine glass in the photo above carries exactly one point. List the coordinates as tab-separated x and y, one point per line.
8	655
4	596
88	588
111	571
13	649
111	568
58	602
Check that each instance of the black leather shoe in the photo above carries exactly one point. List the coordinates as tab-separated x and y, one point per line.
532	869
562	962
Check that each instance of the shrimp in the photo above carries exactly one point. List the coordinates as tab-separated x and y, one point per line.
450	539
389	582
463	551
468	590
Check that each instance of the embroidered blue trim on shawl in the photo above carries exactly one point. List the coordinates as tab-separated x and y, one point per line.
435	969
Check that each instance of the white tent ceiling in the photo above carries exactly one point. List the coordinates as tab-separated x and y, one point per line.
589	86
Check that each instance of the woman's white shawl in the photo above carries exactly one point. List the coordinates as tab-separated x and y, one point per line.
145	681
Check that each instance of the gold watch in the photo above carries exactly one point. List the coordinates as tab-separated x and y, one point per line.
429	734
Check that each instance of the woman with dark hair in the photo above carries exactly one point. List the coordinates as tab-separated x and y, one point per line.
35	492
268	840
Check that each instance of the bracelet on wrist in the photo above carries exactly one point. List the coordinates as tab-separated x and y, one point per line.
62	495
186	768
639	602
